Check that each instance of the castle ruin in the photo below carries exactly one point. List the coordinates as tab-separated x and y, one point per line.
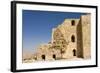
70	39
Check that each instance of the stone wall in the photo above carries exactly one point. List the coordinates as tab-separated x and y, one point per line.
68	29
47	53
86	33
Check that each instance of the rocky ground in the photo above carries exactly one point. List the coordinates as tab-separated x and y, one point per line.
71	59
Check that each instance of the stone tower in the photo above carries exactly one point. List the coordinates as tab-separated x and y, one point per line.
84	36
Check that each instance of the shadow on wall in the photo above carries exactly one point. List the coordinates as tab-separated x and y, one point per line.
79	40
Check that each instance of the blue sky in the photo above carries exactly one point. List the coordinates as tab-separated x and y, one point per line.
37	26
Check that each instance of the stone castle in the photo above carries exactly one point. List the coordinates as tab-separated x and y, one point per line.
70	39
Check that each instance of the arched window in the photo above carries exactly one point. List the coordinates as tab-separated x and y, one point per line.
74	52
73	22
73	38
43	57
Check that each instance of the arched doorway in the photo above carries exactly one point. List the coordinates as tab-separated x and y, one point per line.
54	56
74	52
43	57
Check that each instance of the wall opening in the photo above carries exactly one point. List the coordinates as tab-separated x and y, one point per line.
43	57
54	56
74	52
73	38
73	22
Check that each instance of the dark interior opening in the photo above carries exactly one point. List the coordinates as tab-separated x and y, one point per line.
43	57
54	56
73	38
73	22
74	52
